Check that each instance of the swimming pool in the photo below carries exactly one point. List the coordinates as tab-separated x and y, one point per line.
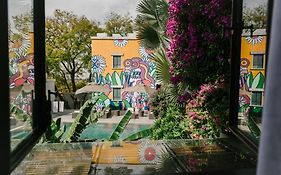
99	131
104	130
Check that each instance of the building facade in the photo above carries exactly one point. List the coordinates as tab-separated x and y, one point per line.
119	62
253	63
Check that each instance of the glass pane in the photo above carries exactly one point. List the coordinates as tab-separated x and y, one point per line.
253	62
21	58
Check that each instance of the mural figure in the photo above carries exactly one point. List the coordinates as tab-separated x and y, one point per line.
139	71
25	71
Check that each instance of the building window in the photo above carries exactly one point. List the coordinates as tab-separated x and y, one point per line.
256	99
116	94
116	61
258	61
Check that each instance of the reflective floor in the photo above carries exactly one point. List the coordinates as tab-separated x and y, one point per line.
219	156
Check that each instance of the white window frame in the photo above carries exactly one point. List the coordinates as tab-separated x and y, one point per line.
117	55
113	88
255	91
263	60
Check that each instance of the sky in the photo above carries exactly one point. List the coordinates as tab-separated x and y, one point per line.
96	10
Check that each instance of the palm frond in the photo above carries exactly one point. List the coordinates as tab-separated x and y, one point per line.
149	36
162	66
139	135
121	126
155	12
80	122
151	22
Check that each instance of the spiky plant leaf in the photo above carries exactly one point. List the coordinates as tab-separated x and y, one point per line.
121	126
255	130
149	36
155	12
162	66
139	135
151	23
80	122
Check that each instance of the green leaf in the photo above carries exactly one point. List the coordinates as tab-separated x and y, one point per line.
80	122
250	80
255	130
116	79
258	82
162	66
139	135
121	126
108	78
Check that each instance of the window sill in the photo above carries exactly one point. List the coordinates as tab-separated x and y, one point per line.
257	69
256	105
117	68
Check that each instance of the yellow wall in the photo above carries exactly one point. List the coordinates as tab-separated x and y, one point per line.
247	48
106	47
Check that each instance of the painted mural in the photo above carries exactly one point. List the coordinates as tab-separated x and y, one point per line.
21	65
251	79
136	71
120	42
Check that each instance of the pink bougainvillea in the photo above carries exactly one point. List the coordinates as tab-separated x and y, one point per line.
198	47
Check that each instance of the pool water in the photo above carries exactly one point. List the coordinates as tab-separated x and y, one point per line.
102	131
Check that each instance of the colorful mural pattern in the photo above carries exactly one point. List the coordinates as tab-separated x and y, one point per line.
254	40
120	42
250	79
136	72
98	64
21	64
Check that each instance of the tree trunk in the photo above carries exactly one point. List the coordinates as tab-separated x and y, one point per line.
73	83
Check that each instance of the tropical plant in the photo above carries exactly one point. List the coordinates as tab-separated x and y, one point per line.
151	22
151	30
54	133
162	66
139	135
80	122
253	127
121	126
170	126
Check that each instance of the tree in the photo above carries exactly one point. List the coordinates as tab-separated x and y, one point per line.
256	17
118	24
68	47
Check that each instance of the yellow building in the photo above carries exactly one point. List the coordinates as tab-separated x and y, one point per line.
253	58
119	62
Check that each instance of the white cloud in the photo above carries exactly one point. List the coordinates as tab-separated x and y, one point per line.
93	9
